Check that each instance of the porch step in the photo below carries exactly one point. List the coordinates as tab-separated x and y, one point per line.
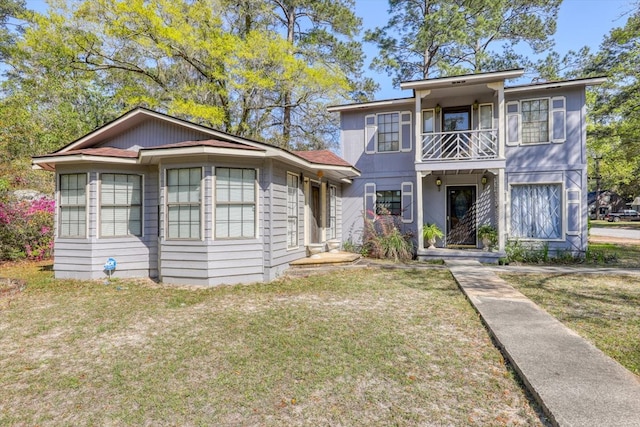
443	254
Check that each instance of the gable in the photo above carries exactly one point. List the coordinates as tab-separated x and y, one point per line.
153	132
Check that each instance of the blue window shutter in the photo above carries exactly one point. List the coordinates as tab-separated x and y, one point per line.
558	119
370	132
370	200
513	123
405	131
407	202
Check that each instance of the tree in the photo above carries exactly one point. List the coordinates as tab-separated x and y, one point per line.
222	66
431	38
614	131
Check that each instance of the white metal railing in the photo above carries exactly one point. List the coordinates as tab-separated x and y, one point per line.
460	145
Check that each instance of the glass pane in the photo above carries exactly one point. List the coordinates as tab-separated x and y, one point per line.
427	122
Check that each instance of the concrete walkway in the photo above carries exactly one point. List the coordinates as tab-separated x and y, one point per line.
574	382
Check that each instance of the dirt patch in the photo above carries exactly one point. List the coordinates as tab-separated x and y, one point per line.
9	287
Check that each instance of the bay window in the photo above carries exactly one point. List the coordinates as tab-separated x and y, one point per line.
183	203
121	205
235	211
73	205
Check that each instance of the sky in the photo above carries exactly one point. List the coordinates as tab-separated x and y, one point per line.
580	23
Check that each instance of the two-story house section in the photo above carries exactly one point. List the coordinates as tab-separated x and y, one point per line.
465	151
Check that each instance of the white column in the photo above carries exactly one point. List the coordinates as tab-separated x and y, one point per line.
419	94
419	210
502	209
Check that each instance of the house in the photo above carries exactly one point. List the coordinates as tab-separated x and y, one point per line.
468	150
185	203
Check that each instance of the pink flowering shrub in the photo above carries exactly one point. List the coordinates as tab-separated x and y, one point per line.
26	228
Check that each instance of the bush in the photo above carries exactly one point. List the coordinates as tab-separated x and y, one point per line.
26	228
382	238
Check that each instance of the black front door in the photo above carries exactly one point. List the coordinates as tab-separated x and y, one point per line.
461	216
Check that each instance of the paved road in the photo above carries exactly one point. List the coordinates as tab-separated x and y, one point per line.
623	233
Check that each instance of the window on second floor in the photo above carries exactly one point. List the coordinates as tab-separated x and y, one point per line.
536	121
388	132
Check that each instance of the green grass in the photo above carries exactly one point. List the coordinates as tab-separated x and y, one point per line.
604	309
624	256
365	347
621	224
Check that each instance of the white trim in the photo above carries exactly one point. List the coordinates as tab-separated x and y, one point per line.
552	85
297	175
411	194
369	193
99	234
87	200
552	118
372	104
577	201
464	80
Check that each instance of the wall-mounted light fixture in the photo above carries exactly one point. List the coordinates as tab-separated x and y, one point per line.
475	104
320	174
438	183
484	181
438	109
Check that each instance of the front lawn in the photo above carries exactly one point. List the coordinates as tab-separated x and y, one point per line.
604	309
365	347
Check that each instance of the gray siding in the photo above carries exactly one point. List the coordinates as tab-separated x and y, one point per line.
154	132
136	255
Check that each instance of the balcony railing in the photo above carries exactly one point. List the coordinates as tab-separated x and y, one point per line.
460	145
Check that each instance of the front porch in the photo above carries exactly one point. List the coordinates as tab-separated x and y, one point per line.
448	254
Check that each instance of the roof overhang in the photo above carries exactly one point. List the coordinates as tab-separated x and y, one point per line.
464	80
592	81
372	104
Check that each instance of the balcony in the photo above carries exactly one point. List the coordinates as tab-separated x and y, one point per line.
460	145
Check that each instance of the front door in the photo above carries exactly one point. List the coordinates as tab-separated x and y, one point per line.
456	144
461	216
315	211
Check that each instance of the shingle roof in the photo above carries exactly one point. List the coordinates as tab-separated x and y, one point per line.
324	157
206	143
100	151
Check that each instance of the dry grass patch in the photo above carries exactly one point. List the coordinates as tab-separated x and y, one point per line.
367	347
602	308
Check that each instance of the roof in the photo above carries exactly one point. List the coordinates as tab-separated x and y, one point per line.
220	144
458	83
325	157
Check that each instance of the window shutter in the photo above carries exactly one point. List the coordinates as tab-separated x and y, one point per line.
574	219
513	123
407	202
558	119
370	200
370	132
405	131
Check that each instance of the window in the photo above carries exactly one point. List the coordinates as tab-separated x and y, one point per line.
333	209
536	211
428	121
235	203
73	201
183	203
121	205
388	132
535	121
486	116
389	201
292	210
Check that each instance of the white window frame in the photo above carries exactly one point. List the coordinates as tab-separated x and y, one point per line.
172	204
293	211
229	203
129	205
80	203
548	120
